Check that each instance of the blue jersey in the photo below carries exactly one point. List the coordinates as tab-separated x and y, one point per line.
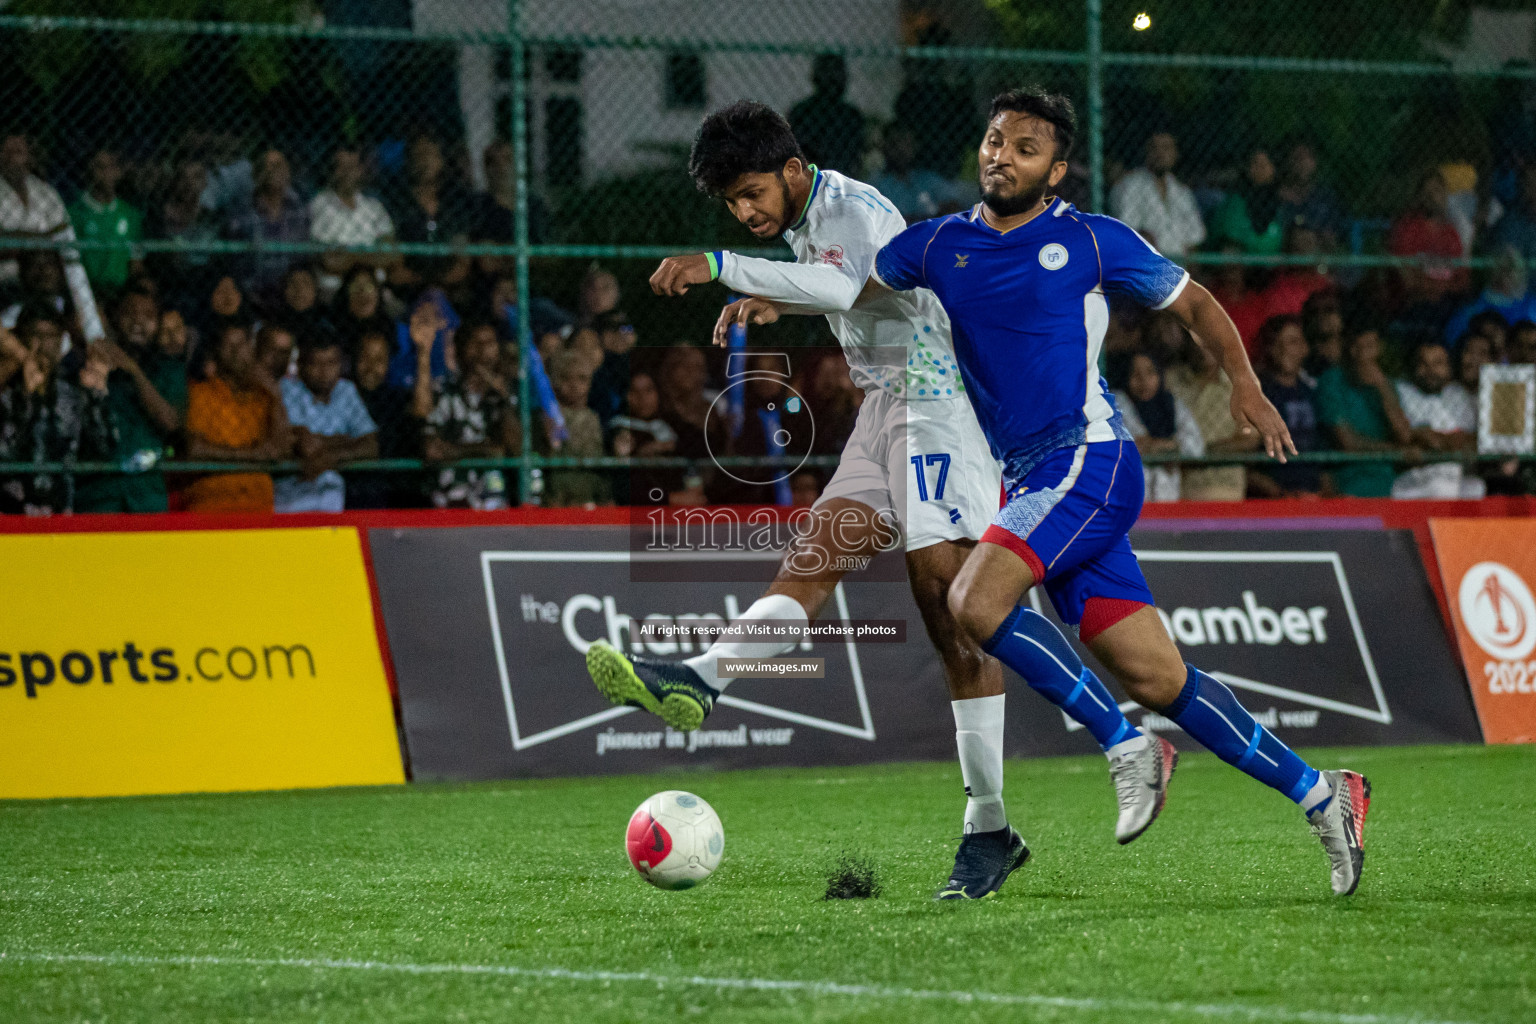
1028	308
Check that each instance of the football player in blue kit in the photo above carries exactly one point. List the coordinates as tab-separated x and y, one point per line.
1026	280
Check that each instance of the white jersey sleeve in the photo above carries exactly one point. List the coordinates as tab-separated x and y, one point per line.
830	275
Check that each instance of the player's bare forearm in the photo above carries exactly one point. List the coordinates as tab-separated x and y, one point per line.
1198	310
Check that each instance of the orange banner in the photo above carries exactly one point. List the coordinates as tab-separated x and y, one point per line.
1489	569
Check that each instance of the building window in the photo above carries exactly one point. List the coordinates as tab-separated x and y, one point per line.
684	86
562	140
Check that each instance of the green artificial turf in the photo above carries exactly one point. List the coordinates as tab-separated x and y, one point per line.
1223	905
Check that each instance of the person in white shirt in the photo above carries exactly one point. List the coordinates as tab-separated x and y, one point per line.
1159	206
916	469
1443	415
31	208
343	215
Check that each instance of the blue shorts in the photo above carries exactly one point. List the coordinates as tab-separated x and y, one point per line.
1070	519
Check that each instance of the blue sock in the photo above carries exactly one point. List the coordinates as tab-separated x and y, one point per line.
1027	643
1210	712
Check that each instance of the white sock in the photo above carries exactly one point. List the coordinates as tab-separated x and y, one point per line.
773	608
1319	792
979	735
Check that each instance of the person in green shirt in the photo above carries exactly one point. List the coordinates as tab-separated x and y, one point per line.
1358	405
100	215
1250	216
147	397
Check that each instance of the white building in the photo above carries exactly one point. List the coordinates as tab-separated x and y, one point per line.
637	108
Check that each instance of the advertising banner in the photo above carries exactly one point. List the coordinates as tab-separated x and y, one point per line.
203	661
1331	637
1489	567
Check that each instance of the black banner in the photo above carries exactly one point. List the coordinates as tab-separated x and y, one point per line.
1328	637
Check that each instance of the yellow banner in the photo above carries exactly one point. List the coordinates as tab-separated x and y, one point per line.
204	661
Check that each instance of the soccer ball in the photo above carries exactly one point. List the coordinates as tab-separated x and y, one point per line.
674	840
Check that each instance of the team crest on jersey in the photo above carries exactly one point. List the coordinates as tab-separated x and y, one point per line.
1053	256
832	254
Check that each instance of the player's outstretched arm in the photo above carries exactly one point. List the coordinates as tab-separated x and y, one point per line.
756	310
1198	310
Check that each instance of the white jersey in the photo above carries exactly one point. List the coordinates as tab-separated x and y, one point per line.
899	342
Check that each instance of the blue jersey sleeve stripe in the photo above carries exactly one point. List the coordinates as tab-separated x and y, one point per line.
1173	296
1097	255
923	264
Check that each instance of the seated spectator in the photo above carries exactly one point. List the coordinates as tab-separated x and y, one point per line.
31	208
835	399
685	406
474	416
358	310
1425	230
49	412
1204	387
551	325
1290	287
830	129
1159	422
402	367
147	397
640	432
171	336
610	381
919	193
1469	211
1293	392
598	294
275	348
573	487
1154	202
185	278
430	209
805	488
343	215
1243	304
1496	329
1322	327
1506	297
1473	352
1521	347
300	310
1443	417
770	428
495	208
274	213
225	305
331	427
1516	230
1249	218
399	413
1306	200
1358	406
100	215
235	415
42	284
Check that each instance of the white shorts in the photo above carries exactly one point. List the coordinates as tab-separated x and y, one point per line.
894	441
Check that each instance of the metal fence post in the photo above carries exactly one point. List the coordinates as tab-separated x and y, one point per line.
1096	104
518	67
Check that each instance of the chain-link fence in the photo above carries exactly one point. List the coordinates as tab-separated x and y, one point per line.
468	198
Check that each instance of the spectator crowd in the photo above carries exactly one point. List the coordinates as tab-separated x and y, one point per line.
149	360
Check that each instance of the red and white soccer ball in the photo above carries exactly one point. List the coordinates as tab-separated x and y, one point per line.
674	840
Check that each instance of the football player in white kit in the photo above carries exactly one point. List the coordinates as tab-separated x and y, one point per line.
917	456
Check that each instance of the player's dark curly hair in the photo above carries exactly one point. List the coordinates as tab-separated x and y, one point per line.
743	138
1048	106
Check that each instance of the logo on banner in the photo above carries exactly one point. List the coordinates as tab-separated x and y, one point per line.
1280	625
1498	611
540	642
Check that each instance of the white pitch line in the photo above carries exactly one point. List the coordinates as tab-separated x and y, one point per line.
813	988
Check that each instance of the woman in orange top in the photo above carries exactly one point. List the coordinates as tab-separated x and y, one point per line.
236	415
